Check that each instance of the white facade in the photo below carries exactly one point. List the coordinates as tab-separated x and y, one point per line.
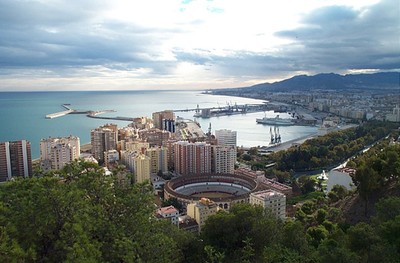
270	200
169	212
110	157
226	137
56	152
224	158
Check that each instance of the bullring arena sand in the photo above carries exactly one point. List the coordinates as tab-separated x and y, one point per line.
212	195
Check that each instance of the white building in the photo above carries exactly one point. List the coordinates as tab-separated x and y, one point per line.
223	159
270	200
56	152
111	157
170	213
226	137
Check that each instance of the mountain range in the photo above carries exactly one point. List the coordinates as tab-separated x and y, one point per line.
385	81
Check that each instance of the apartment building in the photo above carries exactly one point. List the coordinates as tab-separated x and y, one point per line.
271	200
56	152
15	159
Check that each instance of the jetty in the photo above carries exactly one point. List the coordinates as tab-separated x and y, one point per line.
230	109
60	113
89	113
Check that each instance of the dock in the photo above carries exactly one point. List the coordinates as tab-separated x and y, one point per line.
230	109
60	113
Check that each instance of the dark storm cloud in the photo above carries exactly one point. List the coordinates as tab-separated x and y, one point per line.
339	38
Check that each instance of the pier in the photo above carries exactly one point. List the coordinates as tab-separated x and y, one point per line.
89	113
61	113
226	110
199	112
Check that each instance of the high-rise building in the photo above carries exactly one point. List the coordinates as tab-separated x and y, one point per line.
141	168
169	144
158	117
223	159
226	137
56	152
103	139
201	210
155	137
15	159
136	146
127	159
192	158
158	159
271	200
169	125
111	157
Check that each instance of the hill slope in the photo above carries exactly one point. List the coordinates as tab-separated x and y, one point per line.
326	81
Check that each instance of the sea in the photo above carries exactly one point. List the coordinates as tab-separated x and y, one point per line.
22	114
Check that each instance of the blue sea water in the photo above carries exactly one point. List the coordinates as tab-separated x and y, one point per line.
22	114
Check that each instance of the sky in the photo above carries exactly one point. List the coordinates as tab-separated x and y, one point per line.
166	44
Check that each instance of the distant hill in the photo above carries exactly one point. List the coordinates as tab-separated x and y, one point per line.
326	81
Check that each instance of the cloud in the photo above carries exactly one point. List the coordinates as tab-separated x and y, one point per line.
339	38
213	43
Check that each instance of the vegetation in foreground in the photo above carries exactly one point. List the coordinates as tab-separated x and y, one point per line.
81	215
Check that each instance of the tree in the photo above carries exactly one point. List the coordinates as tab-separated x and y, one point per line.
367	181
213	256
242	233
321	215
361	239
331	251
174	202
307	184
84	215
316	234
387	209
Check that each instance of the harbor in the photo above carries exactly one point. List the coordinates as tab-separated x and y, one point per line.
199	112
89	113
60	113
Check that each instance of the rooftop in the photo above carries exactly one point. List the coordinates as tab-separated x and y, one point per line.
267	193
168	210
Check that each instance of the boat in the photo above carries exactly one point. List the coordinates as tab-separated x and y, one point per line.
275	121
